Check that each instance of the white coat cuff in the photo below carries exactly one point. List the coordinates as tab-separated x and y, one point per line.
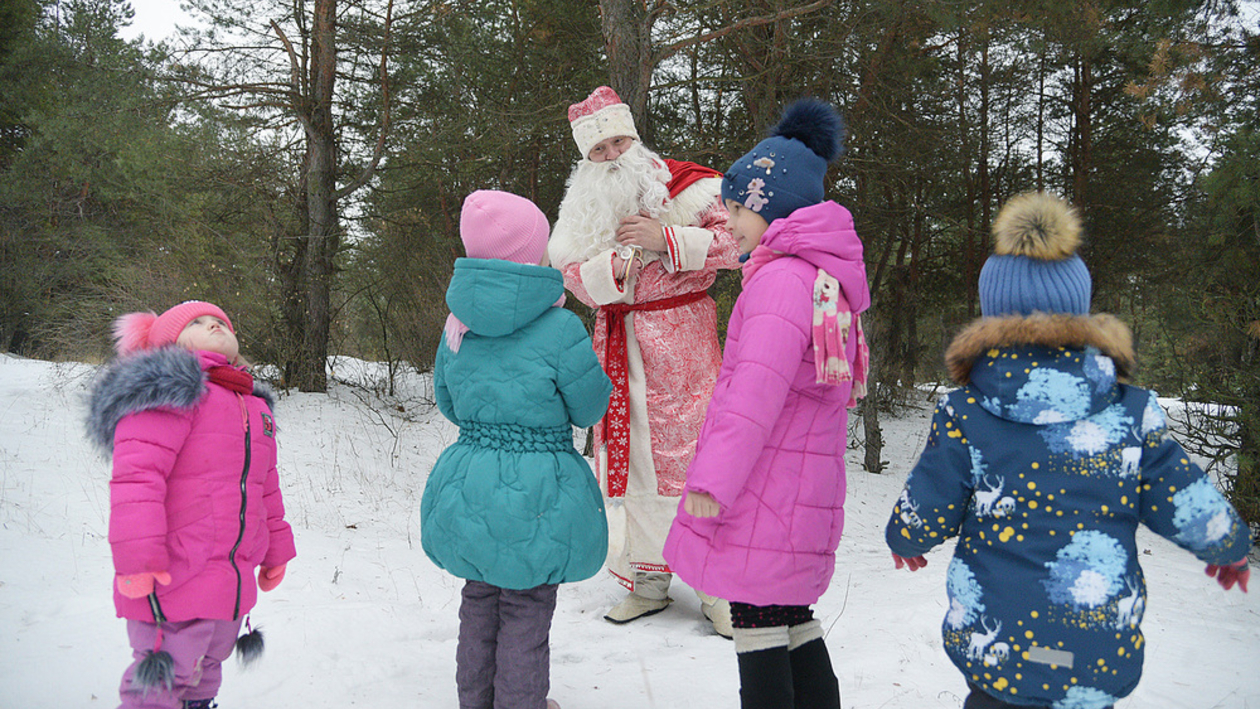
599	281
687	248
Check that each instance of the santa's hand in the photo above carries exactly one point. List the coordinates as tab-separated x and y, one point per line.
701	504
642	230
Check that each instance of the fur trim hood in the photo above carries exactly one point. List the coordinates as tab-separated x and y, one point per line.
1102	331
166	377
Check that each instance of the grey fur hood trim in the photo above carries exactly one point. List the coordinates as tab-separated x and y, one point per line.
165	377
1105	332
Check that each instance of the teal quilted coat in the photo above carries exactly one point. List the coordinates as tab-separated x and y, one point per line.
511	502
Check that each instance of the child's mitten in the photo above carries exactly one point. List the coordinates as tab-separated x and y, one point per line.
141	584
270	576
914	563
1227	576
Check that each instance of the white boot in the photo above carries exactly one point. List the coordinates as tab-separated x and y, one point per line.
718	611
635	606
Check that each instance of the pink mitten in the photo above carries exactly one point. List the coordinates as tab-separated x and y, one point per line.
1227	576
270	576
914	563
141	584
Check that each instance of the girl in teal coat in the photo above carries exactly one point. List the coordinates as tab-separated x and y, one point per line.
511	506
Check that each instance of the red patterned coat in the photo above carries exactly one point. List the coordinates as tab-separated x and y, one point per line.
673	354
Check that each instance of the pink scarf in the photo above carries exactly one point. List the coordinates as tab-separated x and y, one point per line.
454	329
832	327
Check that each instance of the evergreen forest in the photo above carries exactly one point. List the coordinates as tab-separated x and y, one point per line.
303	163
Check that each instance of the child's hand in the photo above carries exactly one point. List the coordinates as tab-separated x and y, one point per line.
1227	576
914	563
624	269
141	584
270	576
701	504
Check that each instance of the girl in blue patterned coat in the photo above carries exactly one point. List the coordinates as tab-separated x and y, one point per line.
511	506
1043	464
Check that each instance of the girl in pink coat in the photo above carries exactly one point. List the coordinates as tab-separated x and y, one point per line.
763	505
195	505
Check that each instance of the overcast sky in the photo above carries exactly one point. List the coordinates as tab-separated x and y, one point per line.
155	19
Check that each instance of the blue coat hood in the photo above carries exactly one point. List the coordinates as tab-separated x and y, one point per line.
1040	385
495	297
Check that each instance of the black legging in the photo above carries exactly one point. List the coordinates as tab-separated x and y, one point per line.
747	616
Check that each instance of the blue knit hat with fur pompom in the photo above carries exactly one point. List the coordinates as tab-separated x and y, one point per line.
786	171
1034	266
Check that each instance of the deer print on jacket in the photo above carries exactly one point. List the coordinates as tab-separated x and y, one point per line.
1042	467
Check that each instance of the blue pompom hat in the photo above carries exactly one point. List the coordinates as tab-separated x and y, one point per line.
786	171
1034	266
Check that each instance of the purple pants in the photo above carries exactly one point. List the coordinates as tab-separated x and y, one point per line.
198	648
503	660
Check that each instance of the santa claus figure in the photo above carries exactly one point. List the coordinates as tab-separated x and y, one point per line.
640	239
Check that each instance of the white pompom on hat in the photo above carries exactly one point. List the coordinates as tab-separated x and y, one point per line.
601	116
134	332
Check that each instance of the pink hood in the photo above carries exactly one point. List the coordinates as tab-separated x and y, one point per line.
823	236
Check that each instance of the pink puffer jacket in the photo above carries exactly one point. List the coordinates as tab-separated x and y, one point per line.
772	448
195	491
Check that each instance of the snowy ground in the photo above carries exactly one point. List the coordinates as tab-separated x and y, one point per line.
364	619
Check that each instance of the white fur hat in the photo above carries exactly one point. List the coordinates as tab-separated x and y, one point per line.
601	116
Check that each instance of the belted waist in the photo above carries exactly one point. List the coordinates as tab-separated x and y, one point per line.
516	438
616	423
676	301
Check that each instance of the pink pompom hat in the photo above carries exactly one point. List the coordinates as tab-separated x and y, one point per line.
134	332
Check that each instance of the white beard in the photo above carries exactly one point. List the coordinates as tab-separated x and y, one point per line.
599	195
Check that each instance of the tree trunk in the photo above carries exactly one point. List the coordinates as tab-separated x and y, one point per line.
987	198
324	231
871	431
628	42
1080	146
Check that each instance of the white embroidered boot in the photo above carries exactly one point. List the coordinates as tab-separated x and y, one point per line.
718	611
634	607
649	597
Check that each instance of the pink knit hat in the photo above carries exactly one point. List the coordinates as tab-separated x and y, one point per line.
141	331
502	225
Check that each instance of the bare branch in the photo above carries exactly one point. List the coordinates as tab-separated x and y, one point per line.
669	50
379	150
295	74
659	8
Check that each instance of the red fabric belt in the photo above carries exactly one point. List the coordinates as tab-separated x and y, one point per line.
616	424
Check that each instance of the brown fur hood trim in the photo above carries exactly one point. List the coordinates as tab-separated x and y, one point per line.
1102	331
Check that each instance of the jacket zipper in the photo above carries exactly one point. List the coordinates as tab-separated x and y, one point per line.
240	533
